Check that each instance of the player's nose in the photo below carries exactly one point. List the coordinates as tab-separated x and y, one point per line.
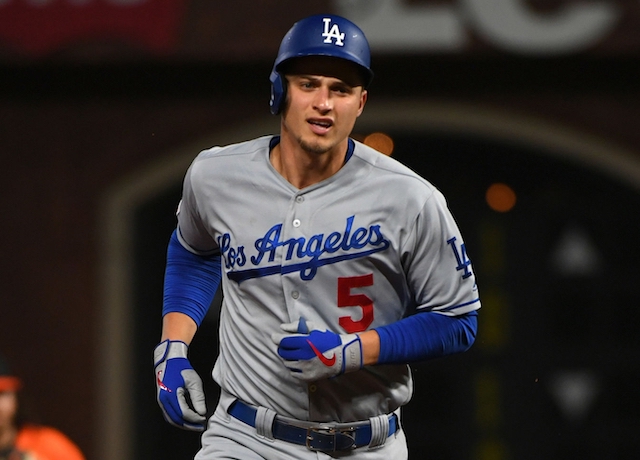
322	101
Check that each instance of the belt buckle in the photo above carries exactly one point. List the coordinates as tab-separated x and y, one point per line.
330	439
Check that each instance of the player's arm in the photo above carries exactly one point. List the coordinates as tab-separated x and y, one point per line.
190	284
370	347
313	354
178	326
423	336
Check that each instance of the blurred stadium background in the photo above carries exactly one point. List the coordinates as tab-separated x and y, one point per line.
525	113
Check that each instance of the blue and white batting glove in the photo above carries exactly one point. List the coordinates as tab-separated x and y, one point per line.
176	380
317	354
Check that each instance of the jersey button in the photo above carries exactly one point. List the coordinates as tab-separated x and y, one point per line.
296	223
295	294
299	199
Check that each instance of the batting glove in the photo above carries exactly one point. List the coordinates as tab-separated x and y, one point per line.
316	354
179	388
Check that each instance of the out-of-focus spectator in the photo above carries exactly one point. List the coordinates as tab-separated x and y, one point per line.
21	438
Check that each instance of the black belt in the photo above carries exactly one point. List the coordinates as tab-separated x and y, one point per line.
323	438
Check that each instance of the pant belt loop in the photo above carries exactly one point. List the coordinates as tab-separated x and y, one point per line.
264	422
379	430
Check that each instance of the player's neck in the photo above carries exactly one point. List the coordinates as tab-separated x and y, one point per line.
302	168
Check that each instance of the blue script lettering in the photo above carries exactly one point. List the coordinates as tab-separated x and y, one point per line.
353	242
232	256
268	244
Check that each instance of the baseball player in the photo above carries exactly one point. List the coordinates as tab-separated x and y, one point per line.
339	266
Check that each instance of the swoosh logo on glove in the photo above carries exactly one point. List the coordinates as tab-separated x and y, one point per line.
326	361
160	384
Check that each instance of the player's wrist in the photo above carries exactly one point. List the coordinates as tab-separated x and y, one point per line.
178	327
168	349
370	341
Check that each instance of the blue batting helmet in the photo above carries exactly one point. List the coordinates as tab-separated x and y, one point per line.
320	35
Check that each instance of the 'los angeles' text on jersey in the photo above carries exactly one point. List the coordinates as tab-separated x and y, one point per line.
352	243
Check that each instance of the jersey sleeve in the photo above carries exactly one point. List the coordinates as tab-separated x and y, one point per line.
192	230
439	271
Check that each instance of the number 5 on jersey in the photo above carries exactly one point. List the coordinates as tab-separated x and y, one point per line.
347	299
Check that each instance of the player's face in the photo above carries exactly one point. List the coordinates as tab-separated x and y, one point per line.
325	97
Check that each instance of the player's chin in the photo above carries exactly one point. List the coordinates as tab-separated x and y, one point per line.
316	146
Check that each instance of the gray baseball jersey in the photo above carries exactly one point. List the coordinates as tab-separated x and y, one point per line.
364	248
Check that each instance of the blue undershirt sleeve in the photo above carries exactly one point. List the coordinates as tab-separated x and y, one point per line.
190	281
426	335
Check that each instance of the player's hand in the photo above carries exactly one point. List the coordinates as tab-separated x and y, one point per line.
313	355
179	388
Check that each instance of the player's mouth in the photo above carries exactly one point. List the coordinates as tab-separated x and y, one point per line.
320	125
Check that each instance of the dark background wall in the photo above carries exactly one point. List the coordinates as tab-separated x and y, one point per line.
78	116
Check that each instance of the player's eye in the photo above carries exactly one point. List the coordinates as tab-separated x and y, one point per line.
342	89
305	81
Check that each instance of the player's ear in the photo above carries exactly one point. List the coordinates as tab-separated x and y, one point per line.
363	100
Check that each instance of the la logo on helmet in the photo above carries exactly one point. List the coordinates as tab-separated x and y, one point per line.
334	32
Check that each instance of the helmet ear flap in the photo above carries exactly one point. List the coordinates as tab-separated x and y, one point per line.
278	92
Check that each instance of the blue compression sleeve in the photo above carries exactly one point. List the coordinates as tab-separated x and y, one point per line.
190	281
426	335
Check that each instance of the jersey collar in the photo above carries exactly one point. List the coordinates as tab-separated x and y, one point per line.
275	140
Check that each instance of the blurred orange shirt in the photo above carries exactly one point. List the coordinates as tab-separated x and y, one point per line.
46	443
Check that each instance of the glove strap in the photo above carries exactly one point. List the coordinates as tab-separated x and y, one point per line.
353	354
169	349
